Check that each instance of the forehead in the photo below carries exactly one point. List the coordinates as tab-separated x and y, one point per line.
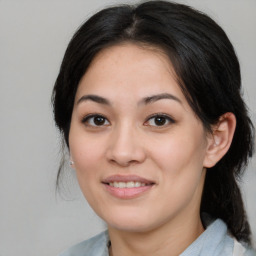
129	67
132	53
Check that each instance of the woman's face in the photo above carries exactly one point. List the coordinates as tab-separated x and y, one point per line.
138	149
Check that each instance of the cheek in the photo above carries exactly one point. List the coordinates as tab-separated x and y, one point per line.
86	153
181	163
87	157
179	153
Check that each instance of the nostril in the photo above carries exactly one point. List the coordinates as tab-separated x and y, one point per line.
123	162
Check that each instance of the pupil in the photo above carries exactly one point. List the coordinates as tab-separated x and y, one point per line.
160	120
99	120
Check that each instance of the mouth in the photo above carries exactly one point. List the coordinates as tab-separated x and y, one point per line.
127	187
129	184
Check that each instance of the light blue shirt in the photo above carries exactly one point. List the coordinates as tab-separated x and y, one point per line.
214	241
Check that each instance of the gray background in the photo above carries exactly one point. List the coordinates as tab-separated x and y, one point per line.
33	37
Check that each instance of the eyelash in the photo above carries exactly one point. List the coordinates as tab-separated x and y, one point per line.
165	118
87	118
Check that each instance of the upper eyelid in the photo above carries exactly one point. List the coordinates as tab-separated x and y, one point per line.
161	115
93	115
86	117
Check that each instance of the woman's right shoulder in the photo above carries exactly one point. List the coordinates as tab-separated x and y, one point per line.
97	246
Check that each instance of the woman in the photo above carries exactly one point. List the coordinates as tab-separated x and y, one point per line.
148	102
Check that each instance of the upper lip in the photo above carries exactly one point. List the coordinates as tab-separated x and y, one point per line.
126	178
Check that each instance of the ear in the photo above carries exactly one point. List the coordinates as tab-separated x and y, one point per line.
219	141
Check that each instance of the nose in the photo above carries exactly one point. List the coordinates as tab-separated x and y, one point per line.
126	147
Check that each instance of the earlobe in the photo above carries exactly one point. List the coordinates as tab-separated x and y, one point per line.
220	139
71	162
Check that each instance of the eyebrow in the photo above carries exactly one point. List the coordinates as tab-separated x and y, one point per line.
146	100
161	96
94	98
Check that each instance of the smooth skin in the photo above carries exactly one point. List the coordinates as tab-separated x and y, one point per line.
130	117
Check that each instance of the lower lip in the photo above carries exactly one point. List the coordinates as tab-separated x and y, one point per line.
127	193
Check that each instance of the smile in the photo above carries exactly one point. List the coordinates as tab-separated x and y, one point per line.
130	184
127	187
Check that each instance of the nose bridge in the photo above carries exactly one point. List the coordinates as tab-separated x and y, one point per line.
125	146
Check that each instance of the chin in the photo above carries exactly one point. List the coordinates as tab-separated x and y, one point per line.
131	222
130	227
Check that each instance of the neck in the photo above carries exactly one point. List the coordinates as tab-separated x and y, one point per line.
169	240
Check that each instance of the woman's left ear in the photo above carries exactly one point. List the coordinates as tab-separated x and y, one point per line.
220	139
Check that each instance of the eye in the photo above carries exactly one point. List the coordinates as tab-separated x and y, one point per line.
95	120
159	120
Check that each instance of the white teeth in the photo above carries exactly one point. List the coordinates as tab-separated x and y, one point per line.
129	184
121	184
137	184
